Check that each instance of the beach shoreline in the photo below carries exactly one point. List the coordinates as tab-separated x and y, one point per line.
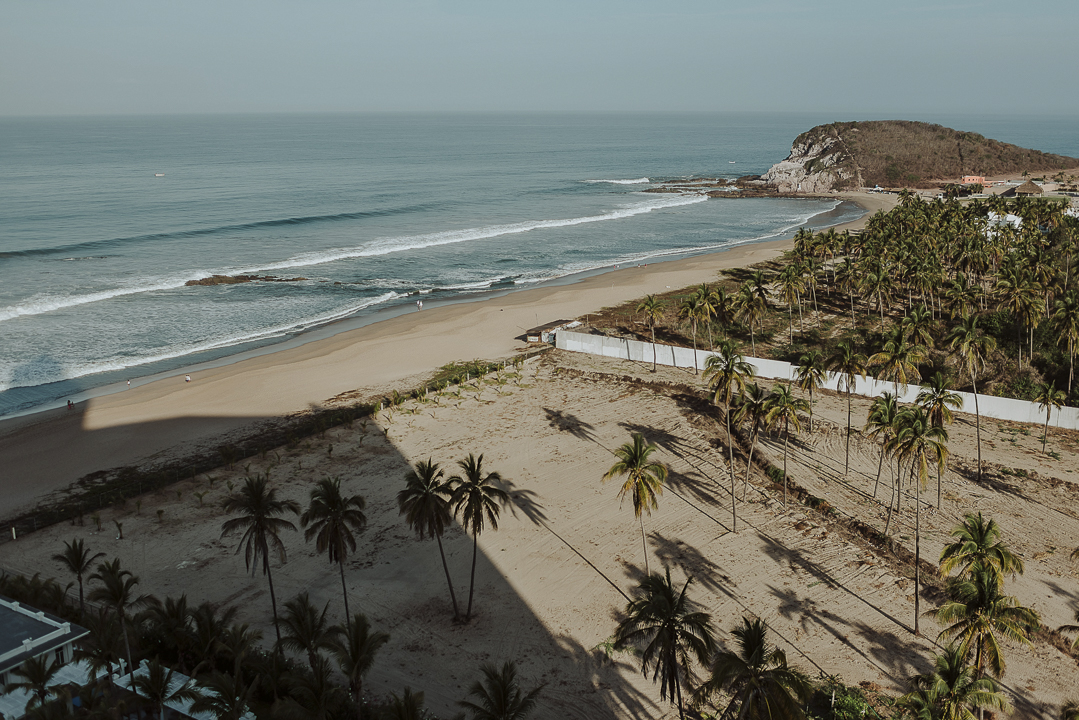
151	421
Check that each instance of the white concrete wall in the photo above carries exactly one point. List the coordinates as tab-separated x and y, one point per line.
671	355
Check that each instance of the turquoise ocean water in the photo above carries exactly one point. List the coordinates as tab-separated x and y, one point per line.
104	220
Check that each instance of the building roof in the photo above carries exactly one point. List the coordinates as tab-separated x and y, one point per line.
13	704
26	632
1028	188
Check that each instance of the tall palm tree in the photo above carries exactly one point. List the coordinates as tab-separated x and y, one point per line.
425	503
224	696
315	695
783	408
898	359
35	677
756	677
77	559
726	372
918	326
1066	323
750	308
499	696
332	519
978	544
670	631
879	424
1048	397
971	346
260	521
643	483
475	498
810	375
938	402
355	654
706	309
753	406
978	615
848	362
652	307
117	592
691	310
952	690
918	441
306	629
168	629
790	285
102	648
156	685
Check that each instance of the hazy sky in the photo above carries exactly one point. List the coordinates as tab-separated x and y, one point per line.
859	56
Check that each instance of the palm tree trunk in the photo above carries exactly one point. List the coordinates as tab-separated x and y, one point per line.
752	337
644	544
273	599
678	689
790	321
453	596
694	348
880	466
938	486
977	423
917	555
730	447
1045	431
82	605
654	363
472	584
786	436
752	445
846	465
344	594
810	409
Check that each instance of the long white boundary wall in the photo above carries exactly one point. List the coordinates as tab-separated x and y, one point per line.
671	355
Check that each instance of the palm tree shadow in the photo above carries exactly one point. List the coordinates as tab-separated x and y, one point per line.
603	669
524	500
674	552
568	422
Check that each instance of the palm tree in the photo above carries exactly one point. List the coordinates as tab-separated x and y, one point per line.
101	649
752	405
691	310
169	629
756	677
979	616
790	285
425	503
952	690
810	375
652	307
898	359
77	560
1069	710
643	483
331	519
1066	322
316	694
306	629
750	308
156	685
499	695
1072	629
355	654
972	346
879	423
407	706
705	309
1048	397
726	372
259	511
670	629
847	361
783	407
918	441
977	544
37	674
474	498
938	402
918	326
117	592
224	696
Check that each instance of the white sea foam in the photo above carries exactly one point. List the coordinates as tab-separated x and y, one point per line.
638	181
50	303
113	364
384	246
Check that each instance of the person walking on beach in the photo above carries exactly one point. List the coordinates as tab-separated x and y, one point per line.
187	378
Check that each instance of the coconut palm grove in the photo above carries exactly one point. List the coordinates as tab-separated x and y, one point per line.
978	296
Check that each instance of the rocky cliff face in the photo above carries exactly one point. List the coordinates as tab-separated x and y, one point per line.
819	162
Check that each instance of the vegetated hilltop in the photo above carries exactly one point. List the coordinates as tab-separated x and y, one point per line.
898	153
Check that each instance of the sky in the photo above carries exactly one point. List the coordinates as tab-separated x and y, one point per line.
89	57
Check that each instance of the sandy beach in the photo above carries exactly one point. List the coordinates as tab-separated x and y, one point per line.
47	451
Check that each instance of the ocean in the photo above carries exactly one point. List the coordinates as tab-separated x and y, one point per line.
104	220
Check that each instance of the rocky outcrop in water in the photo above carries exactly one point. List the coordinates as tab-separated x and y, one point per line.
819	162
237	279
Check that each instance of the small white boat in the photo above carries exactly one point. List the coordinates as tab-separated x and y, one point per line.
731	162
159	174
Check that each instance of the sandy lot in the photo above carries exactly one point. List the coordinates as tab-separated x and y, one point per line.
554	576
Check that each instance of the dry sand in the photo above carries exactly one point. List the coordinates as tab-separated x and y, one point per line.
46	451
554	576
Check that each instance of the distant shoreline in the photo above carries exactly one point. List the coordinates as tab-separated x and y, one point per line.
159	418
